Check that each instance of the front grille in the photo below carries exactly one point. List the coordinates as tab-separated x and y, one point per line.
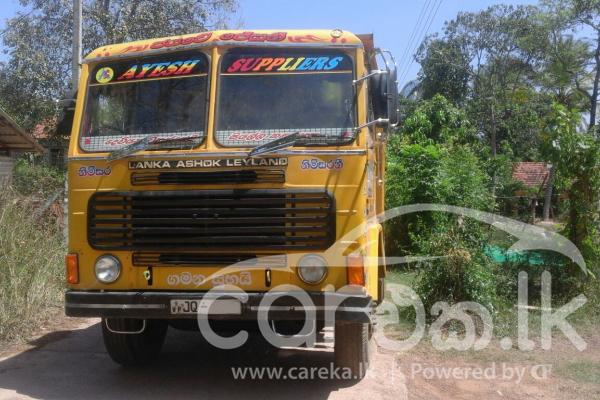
212	220
209	177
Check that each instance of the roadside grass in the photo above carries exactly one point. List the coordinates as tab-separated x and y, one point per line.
581	371
571	371
31	267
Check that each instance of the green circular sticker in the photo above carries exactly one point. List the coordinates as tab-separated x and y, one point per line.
105	75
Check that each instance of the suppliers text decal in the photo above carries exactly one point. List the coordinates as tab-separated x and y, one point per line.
281	64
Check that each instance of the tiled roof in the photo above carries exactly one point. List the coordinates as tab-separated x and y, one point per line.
531	174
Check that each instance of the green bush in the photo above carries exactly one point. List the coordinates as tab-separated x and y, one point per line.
31	266
37	180
534	264
434	160
411	178
462	273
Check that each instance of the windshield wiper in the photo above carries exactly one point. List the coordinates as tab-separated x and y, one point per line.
147	142
275	145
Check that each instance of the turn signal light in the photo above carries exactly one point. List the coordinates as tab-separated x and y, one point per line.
72	264
355	267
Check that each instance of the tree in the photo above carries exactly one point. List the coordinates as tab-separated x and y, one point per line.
576	159
573	14
438	121
38	43
496	50
444	70
587	12
563	71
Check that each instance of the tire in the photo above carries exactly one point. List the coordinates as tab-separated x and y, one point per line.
134	349
353	347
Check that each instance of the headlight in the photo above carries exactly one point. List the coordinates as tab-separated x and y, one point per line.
312	269
107	268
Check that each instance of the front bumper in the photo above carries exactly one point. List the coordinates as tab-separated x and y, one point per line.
157	305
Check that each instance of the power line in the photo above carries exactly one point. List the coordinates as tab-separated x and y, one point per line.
408	53
424	31
413	34
421	36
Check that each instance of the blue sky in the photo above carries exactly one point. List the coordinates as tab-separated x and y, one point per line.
392	21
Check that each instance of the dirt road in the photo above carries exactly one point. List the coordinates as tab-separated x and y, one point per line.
73	365
69	362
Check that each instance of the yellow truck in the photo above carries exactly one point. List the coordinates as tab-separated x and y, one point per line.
230	176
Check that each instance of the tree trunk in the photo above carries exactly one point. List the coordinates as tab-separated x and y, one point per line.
494	144
594	97
548	194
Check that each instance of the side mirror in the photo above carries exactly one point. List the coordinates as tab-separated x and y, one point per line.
378	87
392	97
383	92
66	115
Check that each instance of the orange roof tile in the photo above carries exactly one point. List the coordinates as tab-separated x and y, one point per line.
531	174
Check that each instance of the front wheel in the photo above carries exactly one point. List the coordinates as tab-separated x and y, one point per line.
353	347
131	349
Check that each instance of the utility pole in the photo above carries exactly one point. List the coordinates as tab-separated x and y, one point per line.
77	32
494	144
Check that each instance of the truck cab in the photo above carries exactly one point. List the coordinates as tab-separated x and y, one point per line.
230	176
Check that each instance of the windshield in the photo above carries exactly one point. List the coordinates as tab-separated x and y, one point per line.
265	95
162	97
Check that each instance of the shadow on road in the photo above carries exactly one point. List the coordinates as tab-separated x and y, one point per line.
73	365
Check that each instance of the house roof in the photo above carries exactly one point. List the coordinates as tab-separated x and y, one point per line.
13	137
531	174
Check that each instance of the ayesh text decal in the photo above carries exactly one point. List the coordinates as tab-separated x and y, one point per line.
157	67
210	163
158	70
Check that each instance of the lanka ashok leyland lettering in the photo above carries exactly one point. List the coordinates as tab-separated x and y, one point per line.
241	176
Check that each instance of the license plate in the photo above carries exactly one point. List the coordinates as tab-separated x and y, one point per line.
208	307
